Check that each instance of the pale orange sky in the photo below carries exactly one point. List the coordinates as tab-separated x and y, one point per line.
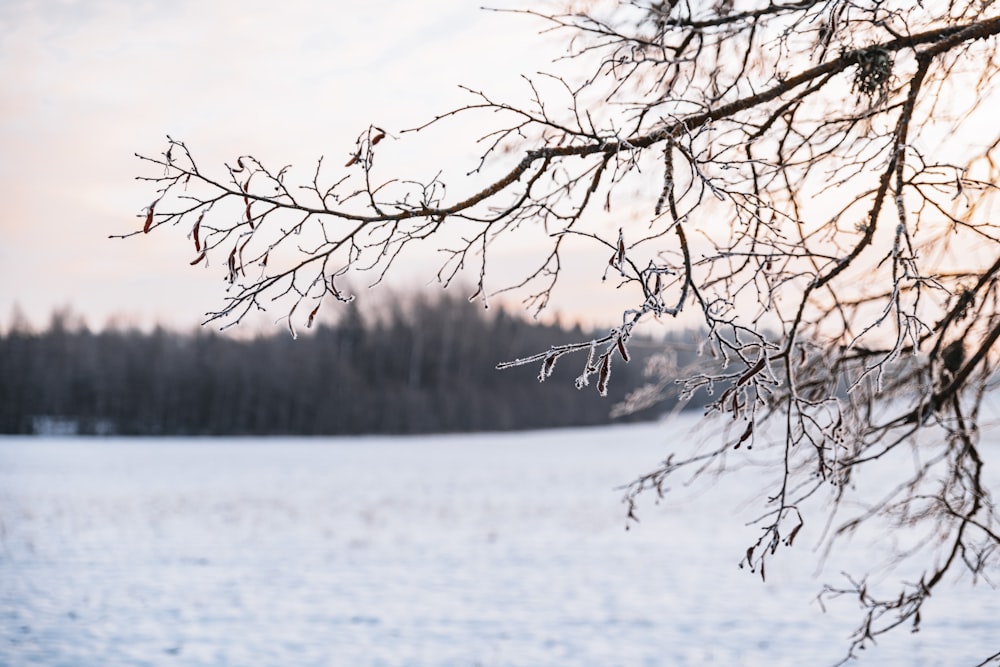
88	84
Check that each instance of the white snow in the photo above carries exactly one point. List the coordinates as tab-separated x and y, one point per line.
490	550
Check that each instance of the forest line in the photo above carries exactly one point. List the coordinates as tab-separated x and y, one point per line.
425	365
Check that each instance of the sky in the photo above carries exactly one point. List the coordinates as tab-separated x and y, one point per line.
87	84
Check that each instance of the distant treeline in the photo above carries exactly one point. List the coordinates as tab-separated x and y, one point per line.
423	366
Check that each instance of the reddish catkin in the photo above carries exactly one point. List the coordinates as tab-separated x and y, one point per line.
604	375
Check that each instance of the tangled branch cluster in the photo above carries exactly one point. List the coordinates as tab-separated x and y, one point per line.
840	254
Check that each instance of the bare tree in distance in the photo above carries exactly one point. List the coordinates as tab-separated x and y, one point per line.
815	180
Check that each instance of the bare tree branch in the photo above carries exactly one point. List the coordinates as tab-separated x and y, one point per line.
812	179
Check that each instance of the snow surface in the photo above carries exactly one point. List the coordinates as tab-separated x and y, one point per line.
485	550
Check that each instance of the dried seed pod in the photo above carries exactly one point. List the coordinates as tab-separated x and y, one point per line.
196	230
622	350
149	219
604	375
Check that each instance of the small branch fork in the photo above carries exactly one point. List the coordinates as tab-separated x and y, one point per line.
779	174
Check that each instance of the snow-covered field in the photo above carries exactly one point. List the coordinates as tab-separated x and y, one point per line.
467	551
